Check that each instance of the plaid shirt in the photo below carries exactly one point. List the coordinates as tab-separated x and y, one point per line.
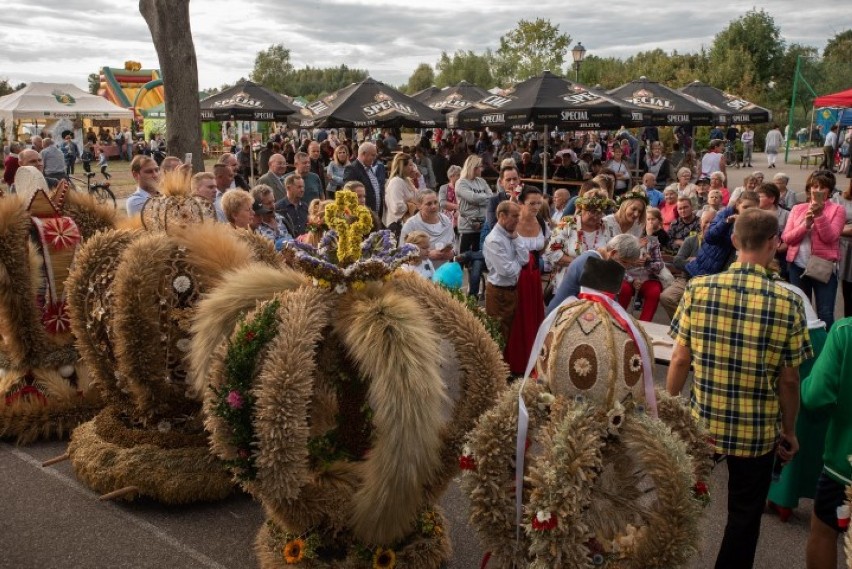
679	229
742	329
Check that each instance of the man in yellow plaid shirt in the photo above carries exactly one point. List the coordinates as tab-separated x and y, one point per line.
745	337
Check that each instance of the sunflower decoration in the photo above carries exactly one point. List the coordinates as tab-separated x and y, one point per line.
351	223
294	551
384	559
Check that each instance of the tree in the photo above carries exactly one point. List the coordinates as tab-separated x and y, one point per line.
7	88
423	77
754	33
531	48
272	68
168	21
839	48
465	66
94	83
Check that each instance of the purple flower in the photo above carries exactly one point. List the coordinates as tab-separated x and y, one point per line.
234	400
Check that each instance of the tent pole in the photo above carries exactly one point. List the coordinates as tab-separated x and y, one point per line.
251	154
544	166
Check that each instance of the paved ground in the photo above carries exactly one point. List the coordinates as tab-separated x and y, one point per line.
48	520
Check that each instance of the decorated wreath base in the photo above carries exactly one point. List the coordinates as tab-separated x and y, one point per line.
160	469
43	405
426	548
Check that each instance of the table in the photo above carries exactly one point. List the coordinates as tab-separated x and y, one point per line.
662	343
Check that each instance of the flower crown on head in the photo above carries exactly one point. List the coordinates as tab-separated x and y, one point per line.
594	202
633	195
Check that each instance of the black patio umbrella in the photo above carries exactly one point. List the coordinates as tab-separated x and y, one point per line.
739	110
426	93
459	96
667	106
551	101
367	103
246	101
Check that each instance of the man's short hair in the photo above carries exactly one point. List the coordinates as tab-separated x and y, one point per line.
366	147
219	167
291	180
754	227
224	158
626	245
47	141
684	199
504	207
196	180
139	162
300	156
259	191
505	169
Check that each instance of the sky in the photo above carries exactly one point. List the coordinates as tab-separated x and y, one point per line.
66	40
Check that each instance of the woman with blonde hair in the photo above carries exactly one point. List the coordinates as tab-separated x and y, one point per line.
237	206
630	217
473	193
316	223
335	169
400	193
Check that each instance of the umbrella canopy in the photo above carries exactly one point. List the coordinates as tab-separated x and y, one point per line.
667	106
738	109
425	94
367	103
246	101
40	101
841	99
457	97
547	100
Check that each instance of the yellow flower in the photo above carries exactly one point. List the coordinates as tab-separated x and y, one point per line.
384	559
294	551
323	283
358	285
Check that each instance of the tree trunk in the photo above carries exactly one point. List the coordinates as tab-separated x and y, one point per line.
168	21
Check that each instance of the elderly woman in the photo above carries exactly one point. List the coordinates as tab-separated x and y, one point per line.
750	184
787	197
813	230
668	208
447	195
435	225
578	234
717	182
473	194
400	193
630	217
691	163
683	185
656	163
237	206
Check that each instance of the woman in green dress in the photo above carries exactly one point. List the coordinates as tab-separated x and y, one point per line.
799	476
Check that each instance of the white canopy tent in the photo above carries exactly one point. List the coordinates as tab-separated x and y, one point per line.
47	101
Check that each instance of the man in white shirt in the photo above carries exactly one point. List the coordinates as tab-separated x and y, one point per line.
828	149
747	138
560	202
505	256
145	171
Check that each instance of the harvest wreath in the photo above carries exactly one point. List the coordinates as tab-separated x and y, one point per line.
326	408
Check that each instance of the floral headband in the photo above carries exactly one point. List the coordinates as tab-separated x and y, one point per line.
594	202
633	195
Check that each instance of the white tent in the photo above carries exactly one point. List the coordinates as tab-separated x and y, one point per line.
46	101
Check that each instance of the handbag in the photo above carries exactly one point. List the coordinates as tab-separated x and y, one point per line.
819	269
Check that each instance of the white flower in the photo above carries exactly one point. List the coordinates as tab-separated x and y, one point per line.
467	451
582	366
635	363
545	400
183	344
340	288
181	284
542	516
164	426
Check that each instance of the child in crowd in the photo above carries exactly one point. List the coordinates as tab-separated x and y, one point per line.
103	164
87	157
654	227
422	266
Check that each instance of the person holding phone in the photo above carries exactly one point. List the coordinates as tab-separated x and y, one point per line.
437	226
813	230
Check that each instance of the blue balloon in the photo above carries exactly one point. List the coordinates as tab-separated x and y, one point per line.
449	274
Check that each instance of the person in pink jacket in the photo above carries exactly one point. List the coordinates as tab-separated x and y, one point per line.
813	229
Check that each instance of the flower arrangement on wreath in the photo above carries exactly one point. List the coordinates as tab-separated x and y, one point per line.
633	195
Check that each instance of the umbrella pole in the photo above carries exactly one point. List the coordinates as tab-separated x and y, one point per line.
544	166
251	153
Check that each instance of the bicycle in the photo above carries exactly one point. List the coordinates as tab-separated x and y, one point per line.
99	190
731	154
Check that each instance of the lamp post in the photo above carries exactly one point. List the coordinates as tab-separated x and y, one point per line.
578	53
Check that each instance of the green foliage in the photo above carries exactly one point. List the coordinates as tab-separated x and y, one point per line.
465	66
234	400
839	48
755	34
94	83
272	67
7	88
422	78
529	49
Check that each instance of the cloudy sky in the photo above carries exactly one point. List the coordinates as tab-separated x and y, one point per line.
65	40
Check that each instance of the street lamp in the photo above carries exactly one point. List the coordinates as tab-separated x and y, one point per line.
578	53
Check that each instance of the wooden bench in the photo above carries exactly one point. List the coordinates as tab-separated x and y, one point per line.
805	159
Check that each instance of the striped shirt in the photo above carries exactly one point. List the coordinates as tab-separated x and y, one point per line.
742	329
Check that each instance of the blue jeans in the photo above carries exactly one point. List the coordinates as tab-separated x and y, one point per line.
826	293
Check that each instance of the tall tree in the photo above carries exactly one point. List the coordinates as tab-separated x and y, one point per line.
465	66
168	21
529	49
7	88
839	48
272	68
754	33
423	77
94	83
